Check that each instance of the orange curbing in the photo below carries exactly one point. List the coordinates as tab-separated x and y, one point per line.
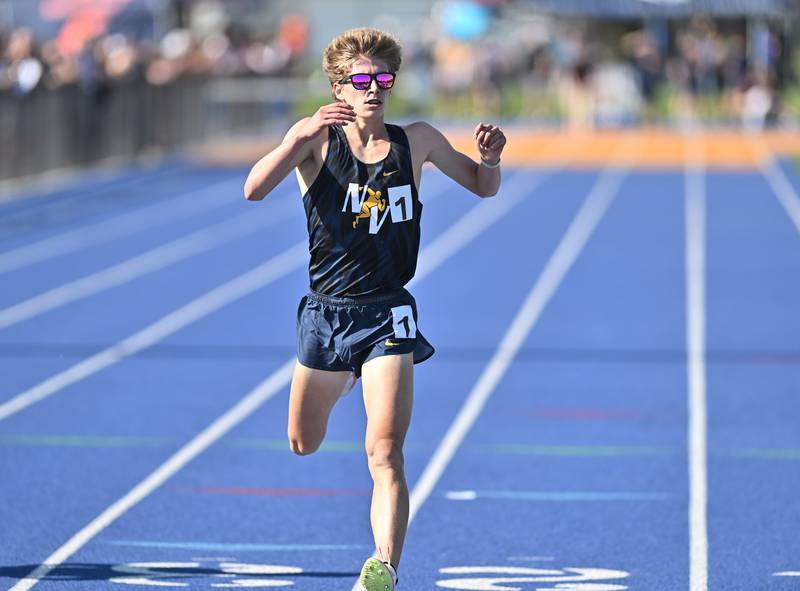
654	148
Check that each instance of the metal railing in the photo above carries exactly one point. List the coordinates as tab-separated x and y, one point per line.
68	127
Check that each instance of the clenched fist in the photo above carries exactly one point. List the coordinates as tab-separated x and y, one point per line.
490	140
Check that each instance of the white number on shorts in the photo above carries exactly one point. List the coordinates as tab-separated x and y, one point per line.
404	325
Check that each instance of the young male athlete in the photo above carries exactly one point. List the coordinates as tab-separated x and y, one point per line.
360	179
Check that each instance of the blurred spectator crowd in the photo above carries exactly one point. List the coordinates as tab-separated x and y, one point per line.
610	74
27	64
484	57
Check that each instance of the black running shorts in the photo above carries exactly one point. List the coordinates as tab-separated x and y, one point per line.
341	334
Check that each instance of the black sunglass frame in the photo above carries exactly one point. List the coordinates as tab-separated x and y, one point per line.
349	80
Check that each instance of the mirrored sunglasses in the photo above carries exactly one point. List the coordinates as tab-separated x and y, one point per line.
364	81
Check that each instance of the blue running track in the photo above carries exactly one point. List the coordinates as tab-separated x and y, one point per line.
550	443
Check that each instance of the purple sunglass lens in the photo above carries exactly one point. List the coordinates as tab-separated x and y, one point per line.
385	80
361	80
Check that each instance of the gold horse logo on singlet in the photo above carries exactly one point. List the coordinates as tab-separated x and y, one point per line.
374	199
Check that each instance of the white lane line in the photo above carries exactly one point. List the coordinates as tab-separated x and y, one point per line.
696	369
275	382
782	188
275	268
244	408
565	254
147	262
35	187
81	182
475	222
73	179
184	204
239	287
152	260
561	260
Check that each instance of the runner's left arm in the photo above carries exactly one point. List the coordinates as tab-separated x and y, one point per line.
483	178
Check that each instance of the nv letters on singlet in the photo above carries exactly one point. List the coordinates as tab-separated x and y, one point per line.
367	203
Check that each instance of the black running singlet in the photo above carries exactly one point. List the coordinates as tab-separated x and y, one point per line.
363	220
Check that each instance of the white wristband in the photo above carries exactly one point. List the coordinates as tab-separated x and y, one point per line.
487	165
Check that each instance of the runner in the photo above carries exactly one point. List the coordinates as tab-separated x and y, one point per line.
360	178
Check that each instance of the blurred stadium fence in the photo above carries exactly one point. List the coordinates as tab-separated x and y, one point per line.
67	127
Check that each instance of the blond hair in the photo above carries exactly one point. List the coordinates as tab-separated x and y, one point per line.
355	43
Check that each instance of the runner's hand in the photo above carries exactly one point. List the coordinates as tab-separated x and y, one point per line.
337	113
490	140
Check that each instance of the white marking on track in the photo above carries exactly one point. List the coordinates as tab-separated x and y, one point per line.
696	369
569	579
252	583
41	185
244	408
275	268
495	585
150	568
787	573
554	272
238	568
461	495
782	188
499	570
145	582
147	262
160	574
565	254
237	288
217	429
475	222
152	573
183	205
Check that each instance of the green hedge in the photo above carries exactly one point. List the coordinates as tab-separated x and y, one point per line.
542	104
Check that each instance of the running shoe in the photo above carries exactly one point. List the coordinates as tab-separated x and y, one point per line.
375	576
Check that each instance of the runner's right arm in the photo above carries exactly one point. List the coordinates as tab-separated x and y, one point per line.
296	147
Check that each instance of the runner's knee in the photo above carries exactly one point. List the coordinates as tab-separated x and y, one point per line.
303	446
385	455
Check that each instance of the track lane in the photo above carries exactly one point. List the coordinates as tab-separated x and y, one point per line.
753	254
109	316
22	227
83	248
283	469
581	464
181	396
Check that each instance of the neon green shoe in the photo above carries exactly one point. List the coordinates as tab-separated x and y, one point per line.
375	576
